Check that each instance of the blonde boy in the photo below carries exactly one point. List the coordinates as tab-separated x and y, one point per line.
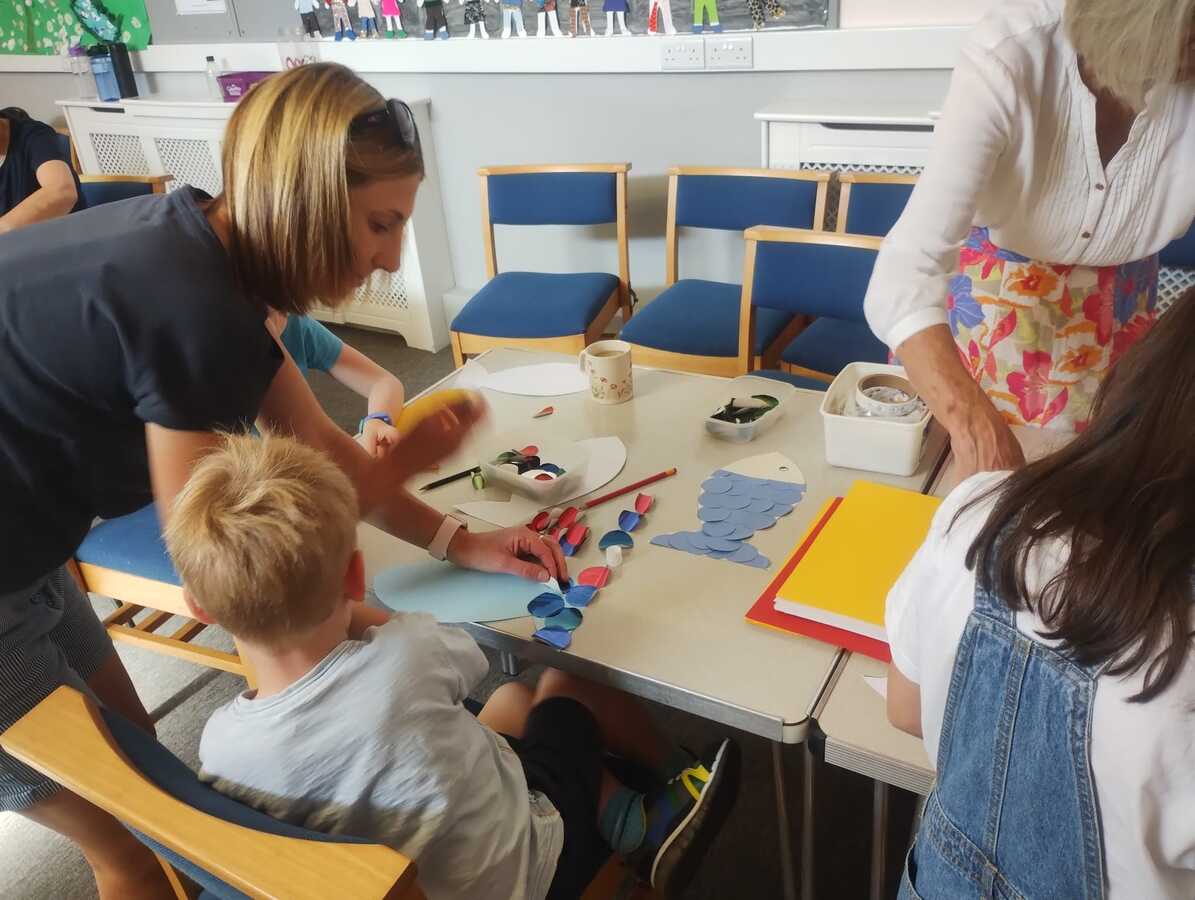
358	726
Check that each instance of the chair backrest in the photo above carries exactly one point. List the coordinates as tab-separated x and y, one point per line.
871	202
571	194
100	189
730	199
805	273
1179	253
231	849
66	147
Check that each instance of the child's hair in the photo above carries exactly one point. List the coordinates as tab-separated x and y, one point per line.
290	157
262	534
1121	495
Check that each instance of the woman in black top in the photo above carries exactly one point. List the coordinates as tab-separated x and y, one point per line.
36	182
131	336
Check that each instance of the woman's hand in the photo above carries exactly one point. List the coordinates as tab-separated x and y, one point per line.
518	551
983	442
432	439
378	438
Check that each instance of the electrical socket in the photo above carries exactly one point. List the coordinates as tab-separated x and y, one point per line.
682	53
729	53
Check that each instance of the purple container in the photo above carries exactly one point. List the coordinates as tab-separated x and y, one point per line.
235	85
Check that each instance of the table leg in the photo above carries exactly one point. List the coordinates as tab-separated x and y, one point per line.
509	663
879	838
809	776
787	875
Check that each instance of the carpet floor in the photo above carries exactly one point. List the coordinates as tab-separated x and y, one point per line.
741	864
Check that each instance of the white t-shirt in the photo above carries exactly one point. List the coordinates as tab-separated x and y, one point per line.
374	742
1015	150
1142	755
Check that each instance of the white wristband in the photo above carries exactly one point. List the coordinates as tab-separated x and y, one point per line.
438	548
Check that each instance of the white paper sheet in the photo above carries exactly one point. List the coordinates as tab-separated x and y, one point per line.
607	456
543	380
775	466
878	683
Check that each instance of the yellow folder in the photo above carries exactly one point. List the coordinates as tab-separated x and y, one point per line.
844	577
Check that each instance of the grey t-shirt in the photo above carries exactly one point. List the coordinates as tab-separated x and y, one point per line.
374	742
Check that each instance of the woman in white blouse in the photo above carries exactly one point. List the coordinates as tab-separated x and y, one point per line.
1062	164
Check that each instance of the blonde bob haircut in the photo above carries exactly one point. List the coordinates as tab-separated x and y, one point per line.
262	534
288	164
1131	45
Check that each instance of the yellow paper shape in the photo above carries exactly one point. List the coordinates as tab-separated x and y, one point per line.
844	578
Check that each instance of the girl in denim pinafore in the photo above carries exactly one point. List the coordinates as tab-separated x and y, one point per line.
999	823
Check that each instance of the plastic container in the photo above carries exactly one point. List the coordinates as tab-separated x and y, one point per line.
213	79
569	456
235	85
106	88
747	386
888	446
80	71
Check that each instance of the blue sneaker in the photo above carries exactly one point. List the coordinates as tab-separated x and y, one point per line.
444	34
697	29
429	35
340	35
352	35
717	28
682	819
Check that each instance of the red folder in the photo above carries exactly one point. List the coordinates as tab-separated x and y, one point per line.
764	613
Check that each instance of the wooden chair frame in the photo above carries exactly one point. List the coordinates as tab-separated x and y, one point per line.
846	180
157	183
724	366
133	595
464	344
65	738
773	234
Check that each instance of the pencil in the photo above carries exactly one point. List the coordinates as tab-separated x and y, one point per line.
659	476
448	479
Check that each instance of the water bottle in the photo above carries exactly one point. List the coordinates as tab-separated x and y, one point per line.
106	87
213	83
77	56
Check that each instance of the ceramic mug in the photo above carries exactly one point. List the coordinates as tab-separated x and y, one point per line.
608	365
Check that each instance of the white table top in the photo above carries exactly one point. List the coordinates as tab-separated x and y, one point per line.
669	626
854	717
851	111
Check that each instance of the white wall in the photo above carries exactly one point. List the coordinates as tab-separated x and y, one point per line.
904	13
653	121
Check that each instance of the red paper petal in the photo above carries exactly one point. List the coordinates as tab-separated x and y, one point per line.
596	577
546	411
569	517
530	450
541	521
577	534
559	533
544	476
643	503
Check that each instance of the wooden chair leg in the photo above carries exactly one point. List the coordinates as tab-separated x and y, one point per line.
184	888
458	356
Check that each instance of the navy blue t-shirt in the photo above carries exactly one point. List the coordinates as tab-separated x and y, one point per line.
112	318
30	145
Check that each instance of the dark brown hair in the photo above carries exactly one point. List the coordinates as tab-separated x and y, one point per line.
1121	495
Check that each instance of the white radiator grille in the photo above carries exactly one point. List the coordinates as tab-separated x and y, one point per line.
119	154
189	160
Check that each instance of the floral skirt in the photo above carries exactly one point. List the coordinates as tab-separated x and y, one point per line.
1038	337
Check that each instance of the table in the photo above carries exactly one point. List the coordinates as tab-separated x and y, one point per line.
670	627
854	718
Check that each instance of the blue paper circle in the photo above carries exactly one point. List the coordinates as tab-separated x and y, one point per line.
718	529
717	485
615	539
580	595
554	637
568	618
628	520
713	514
546	604
760	506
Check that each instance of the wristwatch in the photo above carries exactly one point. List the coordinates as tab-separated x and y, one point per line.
438	548
380	416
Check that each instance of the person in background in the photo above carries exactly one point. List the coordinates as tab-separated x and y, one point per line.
312	346
36	180
1042	646
135	337
1025	262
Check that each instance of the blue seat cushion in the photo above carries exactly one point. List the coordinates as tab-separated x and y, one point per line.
97	193
829	345
131	544
700	318
536	304
800	381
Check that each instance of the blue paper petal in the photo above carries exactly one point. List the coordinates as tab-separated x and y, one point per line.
718	529
580	595
628	520
567	549
615	539
721	545
568	618
761	506
717	485
554	637
546	604
713	514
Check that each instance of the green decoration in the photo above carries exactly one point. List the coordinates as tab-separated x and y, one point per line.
49	27
101	23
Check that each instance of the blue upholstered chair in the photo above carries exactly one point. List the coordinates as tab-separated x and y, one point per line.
100	189
871	202
126	560
231	850
813	275
693	325
561	312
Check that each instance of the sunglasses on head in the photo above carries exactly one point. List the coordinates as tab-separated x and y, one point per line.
395	115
